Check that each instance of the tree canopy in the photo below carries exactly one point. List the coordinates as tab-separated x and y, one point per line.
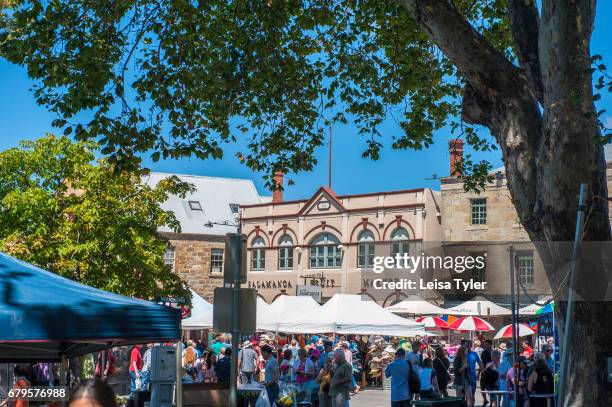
68	213
184	77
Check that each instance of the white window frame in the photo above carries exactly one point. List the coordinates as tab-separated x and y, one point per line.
216	264
400	242
478	211
258	254
325	255
525	268
170	261
365	249
285	253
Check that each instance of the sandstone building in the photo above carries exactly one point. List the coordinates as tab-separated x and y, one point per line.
196	253
327	241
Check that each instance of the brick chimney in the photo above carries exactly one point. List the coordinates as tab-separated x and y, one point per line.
277	194
455	147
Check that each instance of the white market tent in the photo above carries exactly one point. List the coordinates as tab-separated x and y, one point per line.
198	304
201	313
530	309
478	306
350	314
204	320
284	308
417	306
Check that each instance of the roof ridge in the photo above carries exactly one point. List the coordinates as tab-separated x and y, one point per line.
249	180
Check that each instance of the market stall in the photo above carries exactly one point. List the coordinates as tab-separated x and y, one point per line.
478	306
416	305
285	308
44	316
350	314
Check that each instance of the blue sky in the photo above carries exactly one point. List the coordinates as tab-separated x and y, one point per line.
21	118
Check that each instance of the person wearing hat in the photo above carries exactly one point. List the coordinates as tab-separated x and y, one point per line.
247	362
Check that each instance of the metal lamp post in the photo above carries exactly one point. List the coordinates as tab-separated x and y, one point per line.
235	316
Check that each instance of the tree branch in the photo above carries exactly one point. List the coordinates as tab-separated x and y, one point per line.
476	59
524	25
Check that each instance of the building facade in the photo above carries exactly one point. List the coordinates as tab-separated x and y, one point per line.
196	253
487	222
326	241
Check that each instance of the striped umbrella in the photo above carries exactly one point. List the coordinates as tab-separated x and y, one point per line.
471	323
506	332
433	322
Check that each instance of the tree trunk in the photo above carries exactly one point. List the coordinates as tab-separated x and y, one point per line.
543	117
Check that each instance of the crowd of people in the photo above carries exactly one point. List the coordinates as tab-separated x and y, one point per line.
473	363
326	370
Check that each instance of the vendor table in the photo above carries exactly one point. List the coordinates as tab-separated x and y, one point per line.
443	402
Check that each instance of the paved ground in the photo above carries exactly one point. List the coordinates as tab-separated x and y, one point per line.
380	398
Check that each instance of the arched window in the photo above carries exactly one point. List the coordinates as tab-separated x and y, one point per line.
325	252
285	253
258	254
399	241
365	249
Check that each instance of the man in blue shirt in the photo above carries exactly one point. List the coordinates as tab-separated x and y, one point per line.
328	350
472	360
398	372
414	357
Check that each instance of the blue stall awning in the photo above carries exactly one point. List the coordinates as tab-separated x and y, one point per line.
43	316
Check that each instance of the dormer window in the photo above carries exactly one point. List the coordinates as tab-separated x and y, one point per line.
195	206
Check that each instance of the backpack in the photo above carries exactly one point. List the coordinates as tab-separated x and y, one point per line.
414	381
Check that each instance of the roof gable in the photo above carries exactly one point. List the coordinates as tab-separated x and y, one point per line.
322	202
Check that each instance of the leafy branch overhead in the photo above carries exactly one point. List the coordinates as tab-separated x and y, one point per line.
64	212
180	78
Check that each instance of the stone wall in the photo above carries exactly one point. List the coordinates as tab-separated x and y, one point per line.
192	261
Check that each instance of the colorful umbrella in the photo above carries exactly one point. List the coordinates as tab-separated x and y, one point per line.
506	332
471	323
433	322
547	309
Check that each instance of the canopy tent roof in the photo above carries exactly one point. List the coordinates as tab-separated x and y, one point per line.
530	309
43	316
285	308
350	314
204	320
417	306
201	313
198	304
478	306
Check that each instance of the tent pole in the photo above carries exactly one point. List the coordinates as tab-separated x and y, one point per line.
62	373
179	374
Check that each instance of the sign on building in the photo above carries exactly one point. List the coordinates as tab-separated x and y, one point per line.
313	291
